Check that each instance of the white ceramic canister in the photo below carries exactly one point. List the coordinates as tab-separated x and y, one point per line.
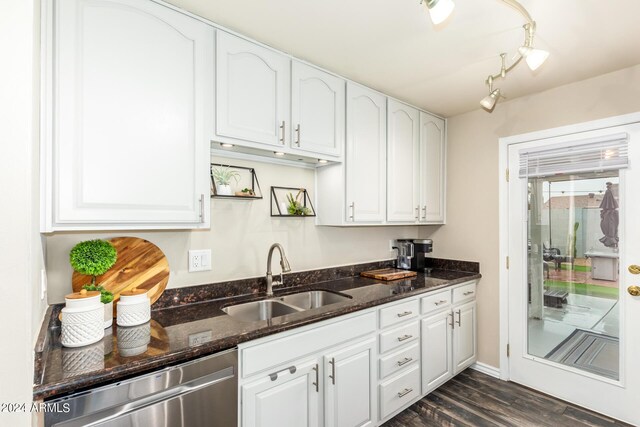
82	319
108	314
134	308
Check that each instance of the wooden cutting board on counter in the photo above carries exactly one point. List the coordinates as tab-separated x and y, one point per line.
140	264
388	274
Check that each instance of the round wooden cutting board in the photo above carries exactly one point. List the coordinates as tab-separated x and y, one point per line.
140	264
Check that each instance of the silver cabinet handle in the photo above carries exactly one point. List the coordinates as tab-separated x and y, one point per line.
202	208
404	337
282	132
424	212
405	361
352	206
274	376
405	392
298	135
459	321
332	362
452	324
468	293
417	211
406	313
317	383
442	301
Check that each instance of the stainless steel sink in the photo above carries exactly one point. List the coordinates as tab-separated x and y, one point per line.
314	299
260	310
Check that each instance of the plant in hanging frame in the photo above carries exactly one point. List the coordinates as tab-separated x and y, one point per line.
222	177
295	206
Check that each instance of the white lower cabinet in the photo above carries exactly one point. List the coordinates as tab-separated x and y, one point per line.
360	369
286	399
333	386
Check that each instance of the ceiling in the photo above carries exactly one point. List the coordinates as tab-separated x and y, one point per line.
392	46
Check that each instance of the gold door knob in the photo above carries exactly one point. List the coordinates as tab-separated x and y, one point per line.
634	290
634	269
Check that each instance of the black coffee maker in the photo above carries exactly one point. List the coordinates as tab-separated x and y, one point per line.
412	253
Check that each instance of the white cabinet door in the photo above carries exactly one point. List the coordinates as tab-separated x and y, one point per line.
128	102
464	336
289	400
349	379
403	128
432	169
252	92
436	351
317	111
366	155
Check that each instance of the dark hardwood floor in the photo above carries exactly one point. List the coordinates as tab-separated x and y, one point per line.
476	399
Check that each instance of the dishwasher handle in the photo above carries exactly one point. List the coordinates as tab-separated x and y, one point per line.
118	411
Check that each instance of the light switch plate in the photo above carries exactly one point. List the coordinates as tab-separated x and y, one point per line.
199	260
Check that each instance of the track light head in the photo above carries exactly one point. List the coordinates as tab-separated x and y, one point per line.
489	101
534	57
439	10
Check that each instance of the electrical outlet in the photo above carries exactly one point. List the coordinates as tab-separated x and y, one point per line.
199	260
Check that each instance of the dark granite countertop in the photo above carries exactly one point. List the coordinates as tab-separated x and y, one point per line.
190	330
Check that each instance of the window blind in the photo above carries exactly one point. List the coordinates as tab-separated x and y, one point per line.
586	155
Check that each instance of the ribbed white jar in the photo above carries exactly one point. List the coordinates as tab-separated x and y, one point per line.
134	308
82	319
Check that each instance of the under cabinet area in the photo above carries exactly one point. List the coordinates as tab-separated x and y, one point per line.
121	148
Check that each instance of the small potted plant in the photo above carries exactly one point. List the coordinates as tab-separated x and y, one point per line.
222	177
94	258
295	206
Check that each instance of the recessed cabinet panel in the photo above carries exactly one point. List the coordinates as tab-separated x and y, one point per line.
252	92
131	108
402	160
436	351
317	110
432	167
365	155
464	336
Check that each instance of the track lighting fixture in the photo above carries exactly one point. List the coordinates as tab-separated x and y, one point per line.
439	10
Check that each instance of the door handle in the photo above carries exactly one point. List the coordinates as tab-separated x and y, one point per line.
332	362
298	135
282	129
452	324
634	269
634	290
417	211
459	321
424	212
352	206
317	383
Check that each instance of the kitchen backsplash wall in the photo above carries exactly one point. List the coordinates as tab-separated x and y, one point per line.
241	233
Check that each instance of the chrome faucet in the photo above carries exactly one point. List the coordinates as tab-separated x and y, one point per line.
284	264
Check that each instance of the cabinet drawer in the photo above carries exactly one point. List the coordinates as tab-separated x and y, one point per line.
399	360
464	293
256	358
398	313
399	336
436	302
399	391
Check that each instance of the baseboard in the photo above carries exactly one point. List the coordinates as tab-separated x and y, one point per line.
486	369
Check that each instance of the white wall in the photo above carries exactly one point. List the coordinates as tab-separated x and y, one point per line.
471	232
21	309
240	236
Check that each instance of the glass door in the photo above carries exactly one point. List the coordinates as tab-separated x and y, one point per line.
573	236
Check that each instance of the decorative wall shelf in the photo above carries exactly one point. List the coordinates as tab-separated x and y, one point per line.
282	198
247	178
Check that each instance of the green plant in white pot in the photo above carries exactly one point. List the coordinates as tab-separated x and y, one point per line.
222	176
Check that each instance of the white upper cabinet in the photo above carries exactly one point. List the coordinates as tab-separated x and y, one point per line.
366	155
127	110
317	110
403	127
252	93
432	169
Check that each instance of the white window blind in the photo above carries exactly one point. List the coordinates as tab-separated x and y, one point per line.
587	155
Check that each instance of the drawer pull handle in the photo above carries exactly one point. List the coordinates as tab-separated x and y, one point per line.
440	302
405	361
405	392
468	293
406	313
274	376
404	337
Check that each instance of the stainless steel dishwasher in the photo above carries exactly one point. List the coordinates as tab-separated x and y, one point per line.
202	392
